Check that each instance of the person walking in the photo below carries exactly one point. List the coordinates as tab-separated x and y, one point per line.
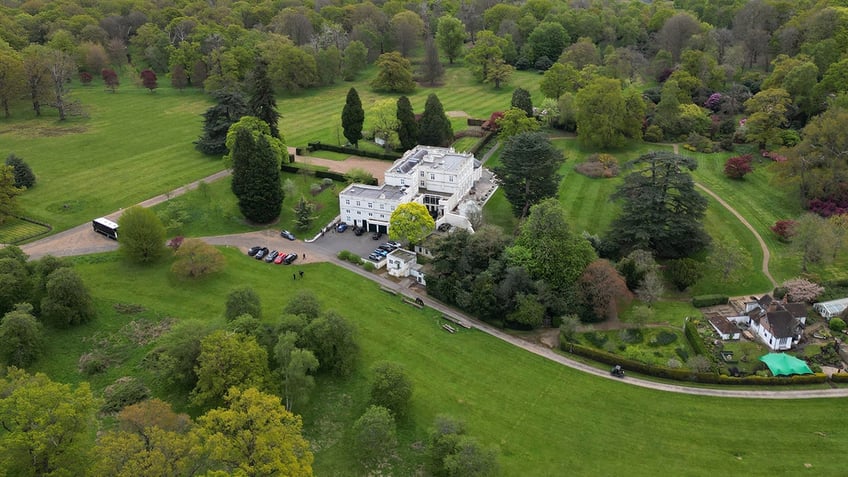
301	274
294	277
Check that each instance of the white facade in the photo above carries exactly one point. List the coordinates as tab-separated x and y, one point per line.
400	262
436	177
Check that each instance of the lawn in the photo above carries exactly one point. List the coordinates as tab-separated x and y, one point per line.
213	210
654	346
133	146
508	397
15	230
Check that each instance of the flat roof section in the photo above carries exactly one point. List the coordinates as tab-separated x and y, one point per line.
387	192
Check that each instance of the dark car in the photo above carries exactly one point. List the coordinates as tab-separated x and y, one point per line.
357	230
287	234
377	236
290	258
252	250
271	256
341	227
261	253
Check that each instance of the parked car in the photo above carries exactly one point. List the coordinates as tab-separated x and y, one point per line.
280	258
271	256
375	258
377	236
287	234
261	253
357	230
341	227
252	250
290	258
394	244
445	227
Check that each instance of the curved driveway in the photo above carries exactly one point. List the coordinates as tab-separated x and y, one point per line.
82	240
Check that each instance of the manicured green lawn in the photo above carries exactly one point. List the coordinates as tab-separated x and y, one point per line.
545	418
133	146
464	143
213	210
17	230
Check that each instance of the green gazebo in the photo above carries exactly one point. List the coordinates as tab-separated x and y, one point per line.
782	364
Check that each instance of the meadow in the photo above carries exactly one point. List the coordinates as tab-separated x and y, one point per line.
546	419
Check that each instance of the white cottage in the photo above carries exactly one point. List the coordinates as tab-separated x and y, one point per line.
778	325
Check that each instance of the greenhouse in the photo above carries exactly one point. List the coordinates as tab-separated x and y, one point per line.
829	309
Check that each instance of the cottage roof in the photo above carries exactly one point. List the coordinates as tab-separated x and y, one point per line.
781	324
798	310
723	325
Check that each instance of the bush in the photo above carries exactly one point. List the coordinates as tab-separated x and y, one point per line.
597	339
663	338
699	143
701	301
779	293
631	335
24	177
124	392
598	165
196	258
738	166
837	324
368	266
784	229
92	363
653	134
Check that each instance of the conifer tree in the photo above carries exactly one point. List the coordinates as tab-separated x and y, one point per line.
407	126
263	105
353	116
521	100
261	199
217	120
435	128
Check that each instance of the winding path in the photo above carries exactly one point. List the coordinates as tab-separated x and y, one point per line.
81	240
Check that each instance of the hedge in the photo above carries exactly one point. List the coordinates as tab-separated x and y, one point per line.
839	377
709	300
482	142
336	176
679	374
318	146
694	338
475	122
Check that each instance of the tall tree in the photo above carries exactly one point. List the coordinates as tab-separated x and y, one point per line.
8	193
36	59
406	27
24	177
450	36
394	74
528	171
383	123
353	116
61	66
521	100
228	360
558	80
661	210
602	291
149	80
333	340
767	110
515	121
410	222
432	70
294	367
262	201
547	39
255	435
179	78
142	235
243	301
487	48
600	111
407	130
374	437
434	127
12	76
229	108
67	301
46	424
391	388
498	72
263	104
355	59
21	337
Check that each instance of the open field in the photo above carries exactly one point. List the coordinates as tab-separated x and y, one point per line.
213	209
134	145
508	397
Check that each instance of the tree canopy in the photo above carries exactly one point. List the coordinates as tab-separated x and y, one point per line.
353	116
528	171
661	210
410	222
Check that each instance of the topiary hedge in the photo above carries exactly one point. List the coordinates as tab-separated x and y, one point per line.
694	338
709	300
387	156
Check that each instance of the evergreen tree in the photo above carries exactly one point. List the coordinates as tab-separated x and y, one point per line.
24	177
528	171
435	128
217	120
303	213
353	116
261	195
263	105
521	100
244	148
407	126
432	70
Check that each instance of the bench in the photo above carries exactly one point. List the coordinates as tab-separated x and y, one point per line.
411	302
448	328
457	321
388	290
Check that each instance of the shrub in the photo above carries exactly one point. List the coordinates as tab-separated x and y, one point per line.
701	301
597	339
124	392
315	189
683	272
738	166
92	363
368	266
699	143
663	338
779	293
196	258
837	324
24	177
631	335
694	338
598	165
784	229
653	134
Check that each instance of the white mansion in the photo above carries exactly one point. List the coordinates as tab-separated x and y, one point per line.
436	177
